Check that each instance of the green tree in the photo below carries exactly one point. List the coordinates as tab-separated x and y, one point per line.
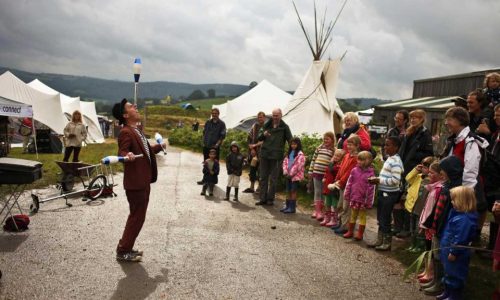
211	93
196	94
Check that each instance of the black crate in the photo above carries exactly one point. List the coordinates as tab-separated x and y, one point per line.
19	171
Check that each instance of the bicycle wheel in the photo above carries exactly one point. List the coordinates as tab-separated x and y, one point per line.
96	187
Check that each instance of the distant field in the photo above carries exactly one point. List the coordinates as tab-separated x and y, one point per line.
205	104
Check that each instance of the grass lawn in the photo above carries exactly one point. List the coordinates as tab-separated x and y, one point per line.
91	154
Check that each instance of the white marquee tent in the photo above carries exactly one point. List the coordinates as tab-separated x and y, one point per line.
69	105
46	108
263	97
314	108
90	116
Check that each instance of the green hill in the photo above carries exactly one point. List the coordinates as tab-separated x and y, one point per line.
113	90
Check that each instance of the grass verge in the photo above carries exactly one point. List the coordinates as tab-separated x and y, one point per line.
91	154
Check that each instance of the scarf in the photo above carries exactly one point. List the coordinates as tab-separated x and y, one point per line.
345	135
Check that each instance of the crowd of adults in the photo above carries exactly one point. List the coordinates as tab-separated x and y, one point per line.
473	130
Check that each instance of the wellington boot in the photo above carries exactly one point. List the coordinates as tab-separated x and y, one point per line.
236	194
419	245
333	220
359	234
413	243
291	207
326	219
377	242
350	231
228	191
435	289
386	243
287	202
319	213
315	212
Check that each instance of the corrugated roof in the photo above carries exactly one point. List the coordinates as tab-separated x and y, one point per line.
396	102
424	103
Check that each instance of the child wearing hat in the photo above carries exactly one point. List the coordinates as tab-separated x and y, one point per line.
234	165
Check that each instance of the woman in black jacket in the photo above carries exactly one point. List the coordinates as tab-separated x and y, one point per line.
415	146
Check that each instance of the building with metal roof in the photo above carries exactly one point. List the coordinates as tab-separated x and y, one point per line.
435	96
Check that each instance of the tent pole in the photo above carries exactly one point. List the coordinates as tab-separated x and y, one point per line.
34	132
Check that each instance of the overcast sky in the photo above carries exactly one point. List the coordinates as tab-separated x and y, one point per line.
389	43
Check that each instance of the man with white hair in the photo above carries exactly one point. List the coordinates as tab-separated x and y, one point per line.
274	134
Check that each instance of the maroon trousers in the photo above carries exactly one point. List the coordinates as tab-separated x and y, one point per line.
138	202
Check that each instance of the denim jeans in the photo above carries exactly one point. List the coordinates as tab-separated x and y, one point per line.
386	201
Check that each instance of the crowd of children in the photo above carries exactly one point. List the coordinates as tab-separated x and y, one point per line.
445	217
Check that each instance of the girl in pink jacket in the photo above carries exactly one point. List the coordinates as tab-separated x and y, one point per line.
293	170
359	193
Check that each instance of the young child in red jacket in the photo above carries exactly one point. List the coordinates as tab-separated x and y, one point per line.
332	196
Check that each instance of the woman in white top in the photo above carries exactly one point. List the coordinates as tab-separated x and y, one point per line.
74	134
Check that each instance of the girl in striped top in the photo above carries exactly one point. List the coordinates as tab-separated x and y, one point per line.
317	169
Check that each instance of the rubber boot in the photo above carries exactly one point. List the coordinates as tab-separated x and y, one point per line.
287	202
413	243
236	194
326	219
228	191
444	295
291	207
398	216
319	214
405	226
359	234
491	242
204	190
386	243
419	244
437	287
350	231
378	242
315	212
333	219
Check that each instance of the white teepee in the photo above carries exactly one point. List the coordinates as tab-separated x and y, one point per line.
313	108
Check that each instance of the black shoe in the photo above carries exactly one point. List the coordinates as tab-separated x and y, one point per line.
200	182
211	194
248	190
261	203
128	257
270	202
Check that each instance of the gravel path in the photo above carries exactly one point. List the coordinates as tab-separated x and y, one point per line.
195	248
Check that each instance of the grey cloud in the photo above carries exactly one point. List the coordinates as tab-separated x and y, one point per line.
389	43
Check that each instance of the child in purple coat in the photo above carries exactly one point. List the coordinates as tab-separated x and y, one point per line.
359	193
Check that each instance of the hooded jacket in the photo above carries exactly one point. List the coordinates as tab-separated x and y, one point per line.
296	171
358	190
234	161
460	229
452	166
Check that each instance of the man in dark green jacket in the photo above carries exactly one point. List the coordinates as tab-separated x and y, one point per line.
274	134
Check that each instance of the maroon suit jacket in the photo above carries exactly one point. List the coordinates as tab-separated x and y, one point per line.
141	172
